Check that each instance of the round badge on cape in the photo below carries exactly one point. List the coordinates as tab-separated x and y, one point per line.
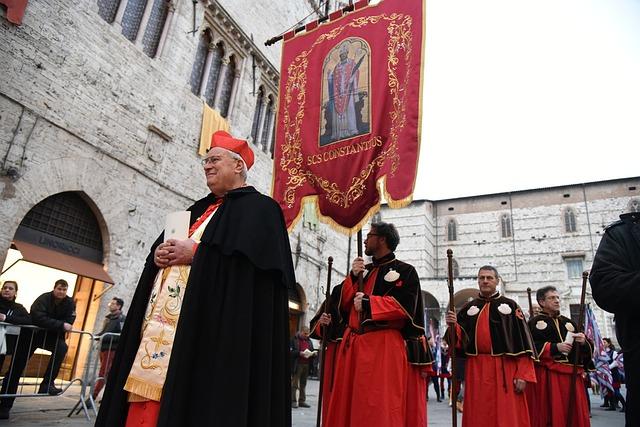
391	276
473	310
541	325
504	308
569	327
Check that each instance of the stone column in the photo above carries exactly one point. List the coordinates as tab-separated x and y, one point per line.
221	77
207	69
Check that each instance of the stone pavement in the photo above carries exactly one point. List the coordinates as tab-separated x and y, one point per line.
52	411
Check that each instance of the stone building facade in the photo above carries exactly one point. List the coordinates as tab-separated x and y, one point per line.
101	104
534	237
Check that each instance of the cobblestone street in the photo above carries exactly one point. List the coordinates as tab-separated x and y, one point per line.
52	411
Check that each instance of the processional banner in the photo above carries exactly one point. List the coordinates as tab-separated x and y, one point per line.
349	113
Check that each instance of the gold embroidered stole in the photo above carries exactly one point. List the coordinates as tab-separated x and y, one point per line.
148	373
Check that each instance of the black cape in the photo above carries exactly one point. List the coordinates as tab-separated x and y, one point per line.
406	291
229	364
546	329
510	335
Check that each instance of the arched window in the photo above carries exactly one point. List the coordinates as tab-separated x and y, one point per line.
214	72
570	221
268	121
452	233
153	32
132	17
107	9
505	223
256	115
227	86
634	205
198	70
66	216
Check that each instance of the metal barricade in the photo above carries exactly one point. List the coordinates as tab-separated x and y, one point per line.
74	359
97	369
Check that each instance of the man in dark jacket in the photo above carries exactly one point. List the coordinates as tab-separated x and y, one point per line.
55	312
112	325
615	282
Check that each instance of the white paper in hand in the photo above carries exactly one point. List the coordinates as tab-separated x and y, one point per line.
307	353
177	225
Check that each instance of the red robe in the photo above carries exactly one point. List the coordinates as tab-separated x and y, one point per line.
553	399
375	386
489	396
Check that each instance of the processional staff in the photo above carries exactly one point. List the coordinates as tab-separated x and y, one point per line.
453	342
325	340
576	354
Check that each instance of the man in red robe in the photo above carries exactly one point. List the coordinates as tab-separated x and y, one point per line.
493	334
553	335
378	381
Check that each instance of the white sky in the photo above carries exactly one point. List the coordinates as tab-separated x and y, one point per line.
528	94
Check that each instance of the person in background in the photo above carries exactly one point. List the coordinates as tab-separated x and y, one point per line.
301	352
616	377
54	312
14	313
112	325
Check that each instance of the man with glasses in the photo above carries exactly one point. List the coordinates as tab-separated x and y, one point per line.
378	381
493	335
556	342
206	337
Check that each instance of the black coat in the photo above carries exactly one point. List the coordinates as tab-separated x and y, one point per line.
615	278
229	364
16	313
46	314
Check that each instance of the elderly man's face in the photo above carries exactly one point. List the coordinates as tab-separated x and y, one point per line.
221	171
487	282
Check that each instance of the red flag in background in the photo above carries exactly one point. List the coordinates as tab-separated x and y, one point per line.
349	114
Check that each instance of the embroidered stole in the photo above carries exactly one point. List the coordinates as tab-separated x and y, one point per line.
148	373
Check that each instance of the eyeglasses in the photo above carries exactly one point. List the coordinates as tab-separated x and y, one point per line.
210	160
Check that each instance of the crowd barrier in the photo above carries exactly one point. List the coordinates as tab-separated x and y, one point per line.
29	355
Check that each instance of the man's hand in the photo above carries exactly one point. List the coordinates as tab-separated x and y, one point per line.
3	317
519	385
357	301
564	347
160	255
579	338
325	319
357	266
67	326
451	318
179	252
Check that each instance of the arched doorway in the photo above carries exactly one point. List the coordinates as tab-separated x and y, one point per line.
61	238
463	296
431	314
297	305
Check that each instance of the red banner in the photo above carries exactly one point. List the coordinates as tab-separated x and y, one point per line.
349	115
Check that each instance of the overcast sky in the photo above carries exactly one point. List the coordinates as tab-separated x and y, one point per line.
528	94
